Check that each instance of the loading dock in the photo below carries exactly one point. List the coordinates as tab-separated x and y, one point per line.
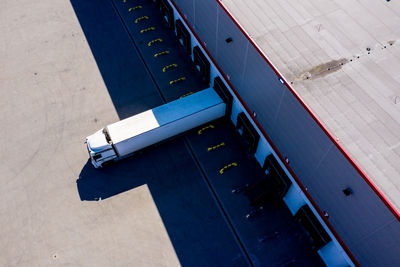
282	182
201	61
316	232
110	229
224	93
184	36
168	13
250	137
246	129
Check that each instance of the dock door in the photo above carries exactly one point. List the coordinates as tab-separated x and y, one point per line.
250	135
313	227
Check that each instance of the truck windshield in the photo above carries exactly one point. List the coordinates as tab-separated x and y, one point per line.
105	132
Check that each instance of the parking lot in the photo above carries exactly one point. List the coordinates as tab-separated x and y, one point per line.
74	67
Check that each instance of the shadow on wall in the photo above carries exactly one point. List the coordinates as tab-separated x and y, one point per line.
127	80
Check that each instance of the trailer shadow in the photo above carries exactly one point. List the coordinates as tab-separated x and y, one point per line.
190	216
155	167
194	224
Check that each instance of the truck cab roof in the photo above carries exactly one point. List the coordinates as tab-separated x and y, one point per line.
97	142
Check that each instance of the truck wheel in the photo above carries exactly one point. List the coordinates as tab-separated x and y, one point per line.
107	163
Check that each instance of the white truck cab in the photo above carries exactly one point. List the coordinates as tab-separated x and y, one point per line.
100	148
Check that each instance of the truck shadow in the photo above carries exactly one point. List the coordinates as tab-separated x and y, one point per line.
194	224
99	184
195	227
149	167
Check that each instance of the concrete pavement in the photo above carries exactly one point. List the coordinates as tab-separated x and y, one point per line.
53	95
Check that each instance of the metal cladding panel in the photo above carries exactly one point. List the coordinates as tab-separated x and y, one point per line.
187	8
206	28
296	135
261	88
362	220
230	56
355	216
387	239
325	172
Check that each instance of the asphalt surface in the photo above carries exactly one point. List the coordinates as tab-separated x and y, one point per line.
71	68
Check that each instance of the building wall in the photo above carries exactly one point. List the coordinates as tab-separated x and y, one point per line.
362	220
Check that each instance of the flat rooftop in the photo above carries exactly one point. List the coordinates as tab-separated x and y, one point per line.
343	59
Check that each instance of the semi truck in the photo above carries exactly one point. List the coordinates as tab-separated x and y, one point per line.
123	138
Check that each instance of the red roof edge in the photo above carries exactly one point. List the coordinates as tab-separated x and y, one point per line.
321	125
326	131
